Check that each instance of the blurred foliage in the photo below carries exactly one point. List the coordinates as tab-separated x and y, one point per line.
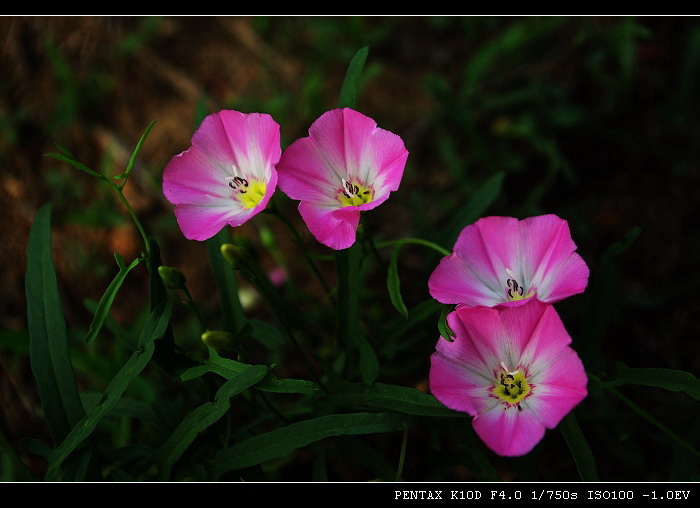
586	117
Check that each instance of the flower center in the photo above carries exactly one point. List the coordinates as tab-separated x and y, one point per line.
355	194
515	291
512	387
249	194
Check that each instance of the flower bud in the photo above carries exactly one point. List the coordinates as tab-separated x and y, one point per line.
217	340
235	255
171	277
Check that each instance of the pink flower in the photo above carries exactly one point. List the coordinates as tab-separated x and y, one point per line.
500	260
228	174
347	165
512	369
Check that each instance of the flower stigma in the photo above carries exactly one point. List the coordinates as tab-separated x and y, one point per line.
355	194
512	387
249	194
514	290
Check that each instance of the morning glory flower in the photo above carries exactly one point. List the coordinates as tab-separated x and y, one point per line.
347	165
228	174
504	261
512	369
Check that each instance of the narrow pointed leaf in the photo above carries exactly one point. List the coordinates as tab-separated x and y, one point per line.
105	303
585	462
77	165
48	343
673	380
443	327
232	317
204	416
369	365
351	84
283	441
136	151
154	329
393	283
392	397
19	470
480	201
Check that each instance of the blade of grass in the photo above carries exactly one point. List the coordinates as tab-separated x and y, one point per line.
585	462
48	343
107	298
204	416
283	441
673	380
351	83
393	283
232	317
154	329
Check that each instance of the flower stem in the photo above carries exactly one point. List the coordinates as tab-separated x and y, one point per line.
190	303
133	217
402	456
417	241
675	437
297	237
348	304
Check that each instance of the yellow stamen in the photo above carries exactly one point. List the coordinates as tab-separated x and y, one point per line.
253	195
512	387
355	194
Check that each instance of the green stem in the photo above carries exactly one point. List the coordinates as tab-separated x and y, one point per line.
417	241
348	307
260	280
190	303
675	437
133	217
297	237
402	456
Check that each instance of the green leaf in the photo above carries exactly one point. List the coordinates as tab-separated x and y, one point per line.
392	397
229	369
393	283
272	383
48	343
444	329
604	299
283	441
154	329
481	199
585	462
351	83
232	317
673	380
107	298
19	470
204	416
77	165
136	151
348	305
369	365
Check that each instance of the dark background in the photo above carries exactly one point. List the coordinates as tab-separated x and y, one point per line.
591	118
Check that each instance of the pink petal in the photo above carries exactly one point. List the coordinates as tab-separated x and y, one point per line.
304	173
548	259
226	144
453	384
509	432
475	274
249	141
529	337
343	145
334	228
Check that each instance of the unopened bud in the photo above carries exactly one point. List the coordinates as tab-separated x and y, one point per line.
234	255
171	277
217	339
